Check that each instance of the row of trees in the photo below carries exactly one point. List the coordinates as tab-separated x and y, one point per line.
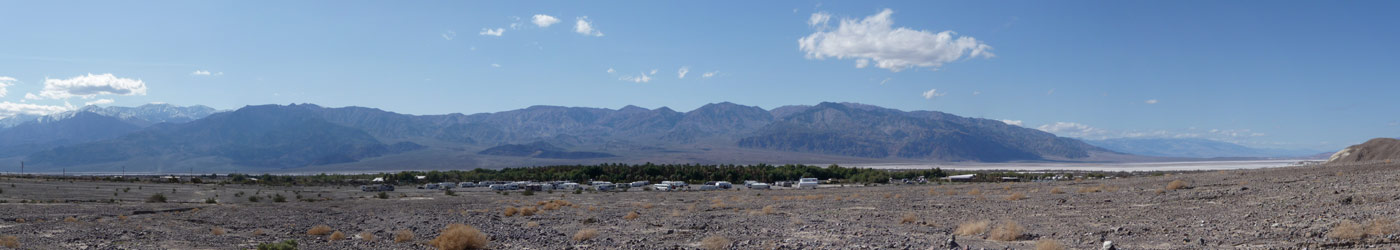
617	173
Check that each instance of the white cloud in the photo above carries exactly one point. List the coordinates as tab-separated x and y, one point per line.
544	21
887	79
1070	129
90	86
611	70
31	96
494	65
653	72
8	109
639	78
583	26
930	94
99	102
819	19
1017	123
5	83
976	92
873	39
449	35
680	74
492	32
1153	101
205	73
709	74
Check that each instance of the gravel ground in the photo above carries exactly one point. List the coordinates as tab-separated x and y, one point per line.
1281	208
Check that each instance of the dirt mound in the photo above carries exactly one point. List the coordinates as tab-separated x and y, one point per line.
1374	150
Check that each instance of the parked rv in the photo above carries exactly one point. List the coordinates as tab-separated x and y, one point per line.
640	183
499	187
760	186
569	186
429	186
724	185
661	187
807	183
708	187
603	186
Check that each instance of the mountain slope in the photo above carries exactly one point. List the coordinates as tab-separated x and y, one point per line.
1378	149
1190	147
78	128
256	136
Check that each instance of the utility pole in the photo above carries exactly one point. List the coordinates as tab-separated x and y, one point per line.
21	168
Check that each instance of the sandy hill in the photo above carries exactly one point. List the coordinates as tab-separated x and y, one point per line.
1374	150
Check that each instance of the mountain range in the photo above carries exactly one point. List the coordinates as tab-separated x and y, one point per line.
307	137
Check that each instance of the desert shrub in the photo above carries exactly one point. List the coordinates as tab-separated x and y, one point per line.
1048	244
975	192
449	192
527	211
319	230
1007	231
9	242
156	198
1381	227
257	232
284	245
1016	196
1176	184
532	224
578	191
337	235
119	217
70	219
459	236
1056	190
211	200
366	236
715	243
528	192
403	235
972	228
585	234
382	195
279	198
217	231
20	220
648	206
908	218
254	199
769	209
510	211
631	215
1347	230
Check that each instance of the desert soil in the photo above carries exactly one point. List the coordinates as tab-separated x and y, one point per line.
1279	208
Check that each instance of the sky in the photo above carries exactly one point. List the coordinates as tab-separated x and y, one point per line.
1276	74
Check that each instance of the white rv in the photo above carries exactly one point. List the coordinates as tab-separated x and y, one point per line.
807	183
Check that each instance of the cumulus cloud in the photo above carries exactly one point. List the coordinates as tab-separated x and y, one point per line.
1017	123
639	78
653	72
709	74
99	102
205	73
930	94
449	35
583	26
492	32
875	40
495	65
611	70
90	86
544	21
8	109
1153	101
5	83
680	74
819	19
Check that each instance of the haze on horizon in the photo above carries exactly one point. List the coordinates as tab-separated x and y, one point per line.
1297	75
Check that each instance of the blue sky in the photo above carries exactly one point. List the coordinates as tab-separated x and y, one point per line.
1310	75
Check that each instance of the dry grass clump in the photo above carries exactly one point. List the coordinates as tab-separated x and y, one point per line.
1176	184
1016	196
10	242
1006	188
887	196
459	236
908	218
337	235
70	219
1007	231
556	204
1381	227
510	211
585	234
1048	244
366	236
1347	230
631	215
972	228
532	224
769	209
527	211
715	243
1056	190
258	231
932	191
319	230
1093	189
217	231
20	220
403	235
648	206
121	217
675	213
951	192
975	192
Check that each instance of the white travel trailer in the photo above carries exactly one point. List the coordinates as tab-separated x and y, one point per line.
569	186
760	186
661	187
808	183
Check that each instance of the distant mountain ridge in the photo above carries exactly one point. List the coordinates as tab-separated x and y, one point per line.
305	135
1192	148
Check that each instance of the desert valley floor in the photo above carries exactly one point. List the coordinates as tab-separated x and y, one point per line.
1306	207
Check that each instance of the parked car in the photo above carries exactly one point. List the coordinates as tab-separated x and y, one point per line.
724	184
808	183
760	186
